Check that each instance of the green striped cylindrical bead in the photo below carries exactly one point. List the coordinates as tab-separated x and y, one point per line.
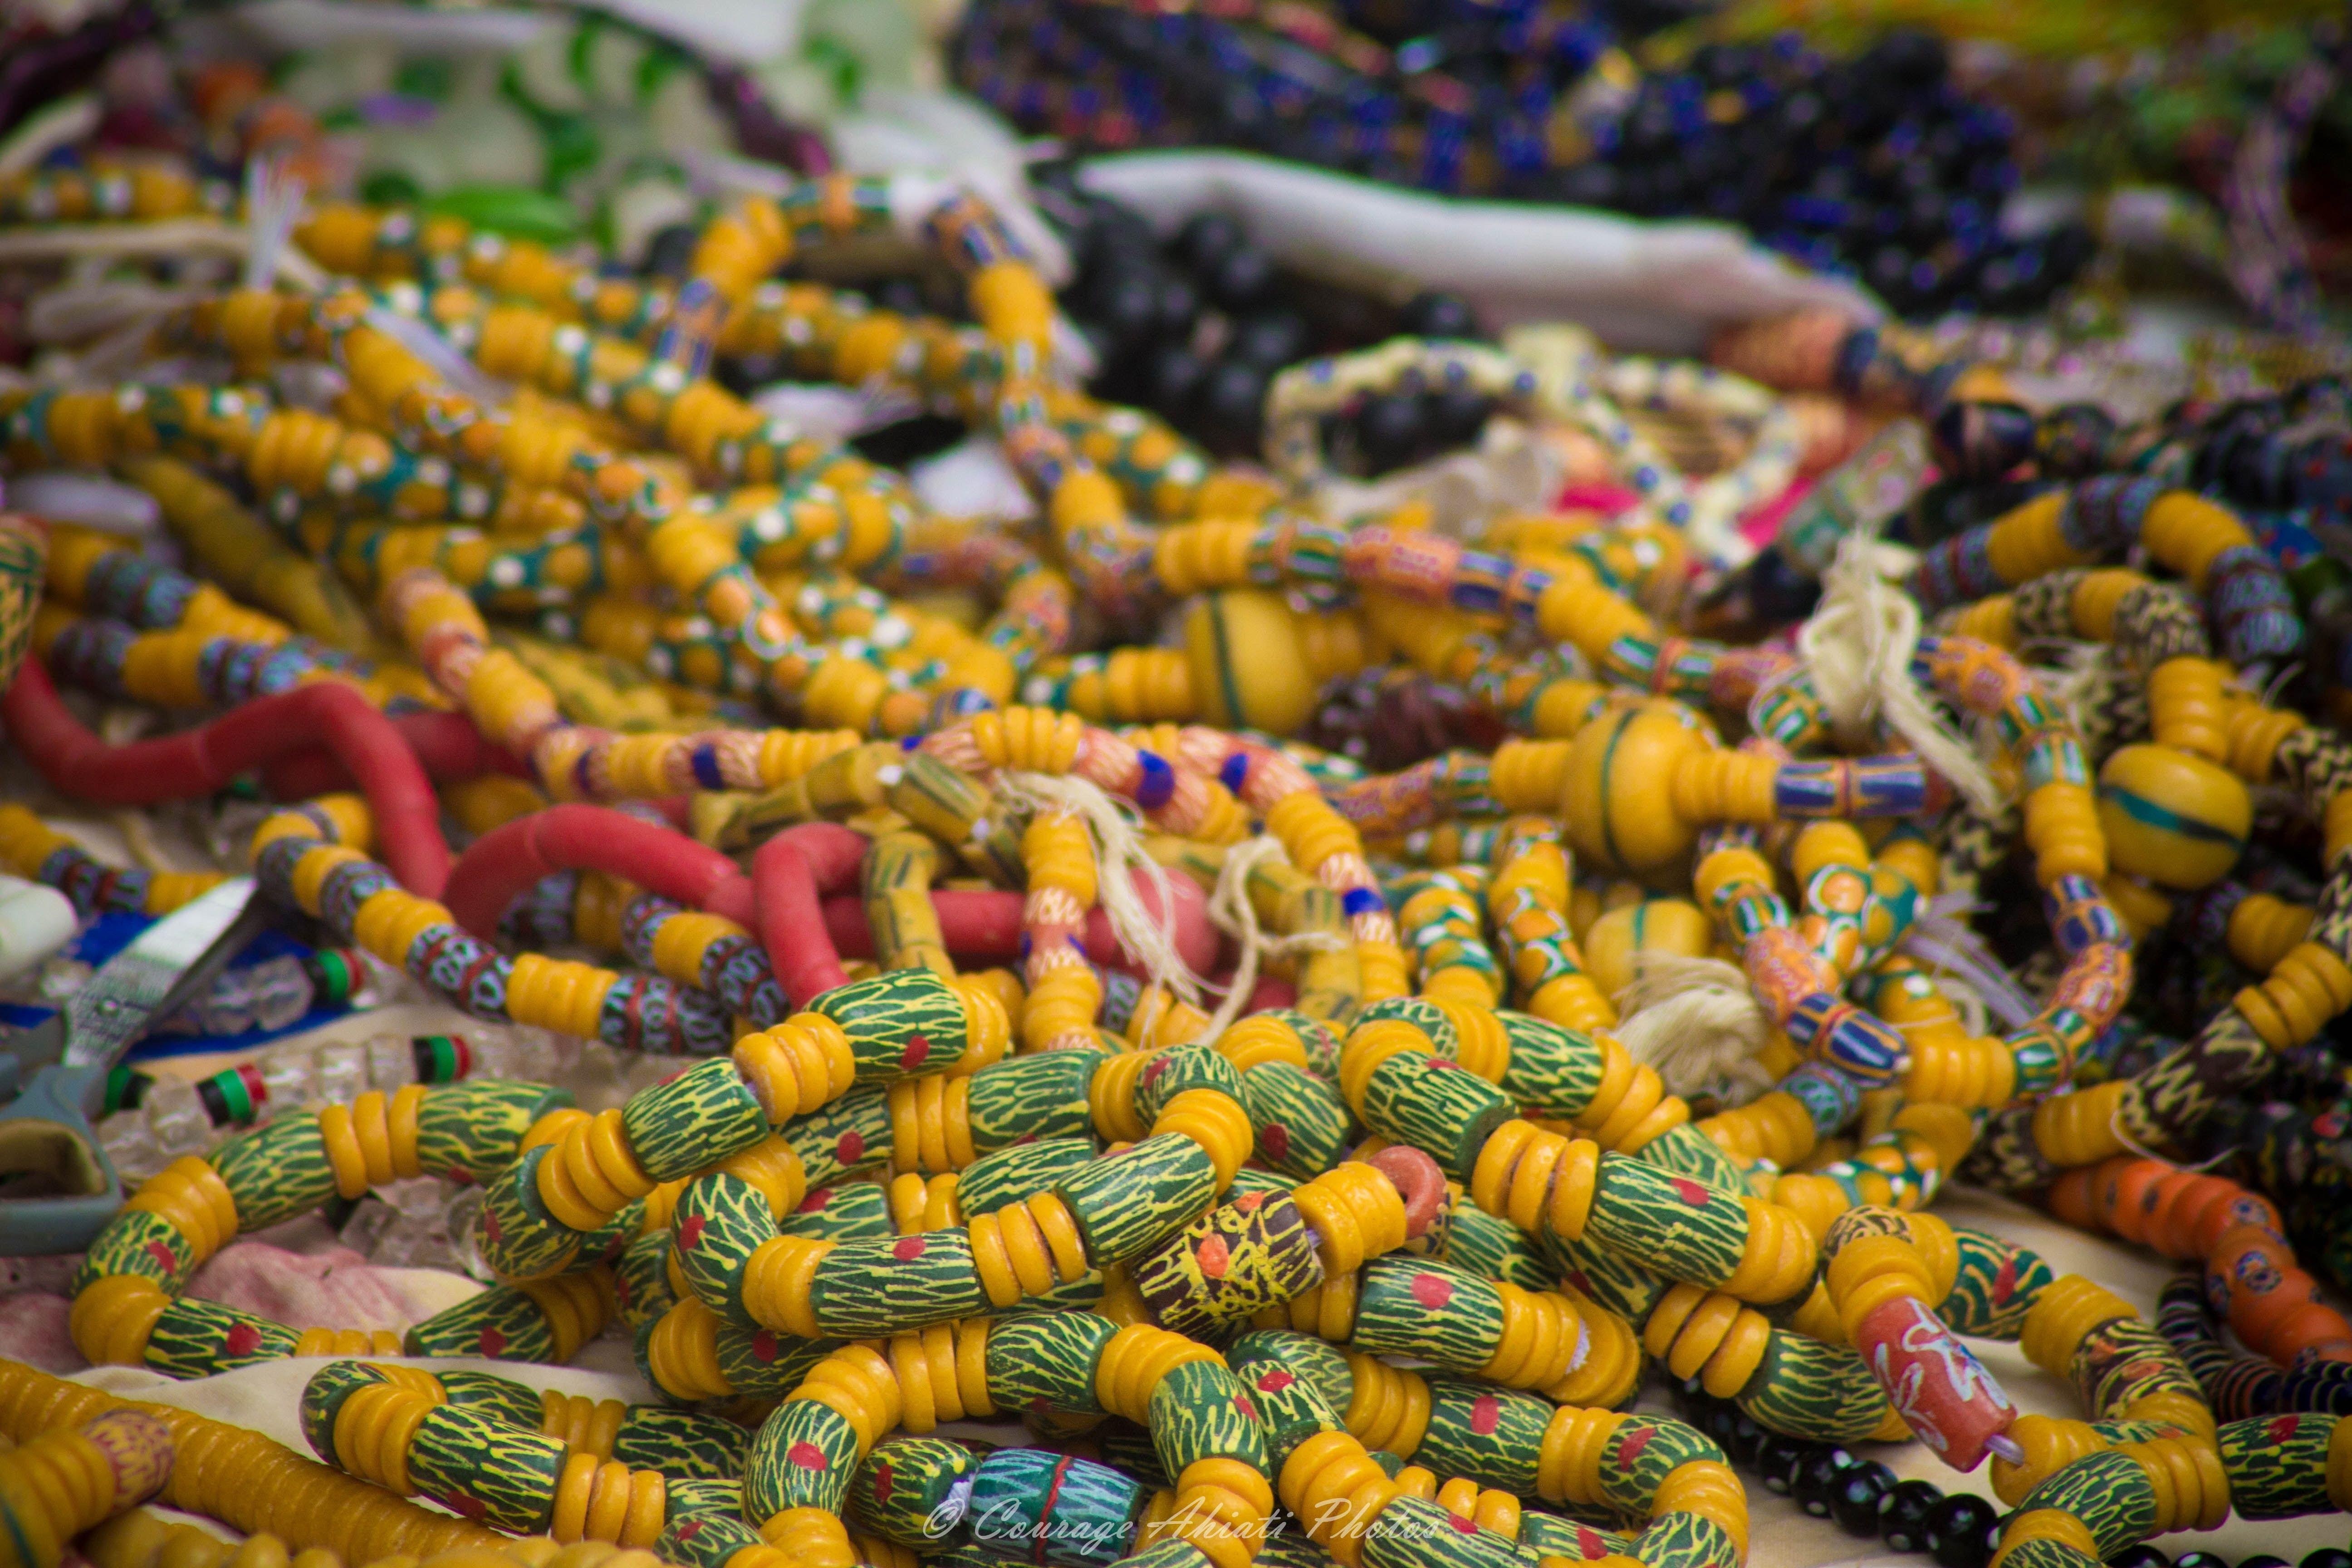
641	1287
2123	1362
278	1171
1682	1228
851	1136
472	1129
909	1490
516	1236
1809	1389
197	1339
1604	1274
483	1469
322	1402
1124	1203
2278	1464
683	1444
1685	1541
502	1323
1553	1072
1248	1180
907	1021
762	1364
1291	1406
2110	1492
1198	1411
1492	1435
1493	1247
696	1494
697	1118
1324	1365
1411	1307
139	1242
720	1221
1315	1038
1225	1266
1639	1455
1549	1535
875	1289
803	1458
1437	1105
1042	1096
1303	1126
1290	1548
1684	1151
850	1211
1052	1507
1422	1014
2046	1553
1996	1286
1048	1363
1411	1533
1020	1172
501	1398
1181	1067
703	1538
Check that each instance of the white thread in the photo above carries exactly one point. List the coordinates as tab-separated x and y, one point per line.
1231	911
1696	1021
273	205
1857	646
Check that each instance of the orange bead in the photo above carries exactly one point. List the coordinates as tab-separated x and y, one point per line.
2309	1324
2179	1218
2127	1196
2070	1199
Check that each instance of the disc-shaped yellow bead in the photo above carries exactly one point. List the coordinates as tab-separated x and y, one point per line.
1619	797
1249	668
1613	947
2172	816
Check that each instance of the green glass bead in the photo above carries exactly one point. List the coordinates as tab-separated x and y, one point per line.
1549	1535
873	1289
1324	1365
1423	1014
1410	1307
720	1221
1822	1392
516	1236
276	1172
762	1364
197	1339
681	1444
1682	1228
1126	1202
1040	1097
1016	1174
1553	1072
910	1491
1125	1446
2278	1464
1290	1548
703	1538
2046	1554
482	1469
1605	1274
1047	1361
697	1118
1291	1407
1996	1286
851	1211
500	1324
472	1129
700	1495
1052	1507
1315	1037
1181	1067
1303	1126
501	1398
1491	1436
2121	1362
905	1021
1411	1533
139	1242
1437	1105
1685	1541
803	1458
1639	1455
608	1241
851	1136
1249	1179
1684	1151
1225	1266
322	1402
1200	1411
1493	1247
2109	1492
641	1287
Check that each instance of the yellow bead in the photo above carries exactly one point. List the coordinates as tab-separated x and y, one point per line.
1249	664
1613	948
2172	817
1619	801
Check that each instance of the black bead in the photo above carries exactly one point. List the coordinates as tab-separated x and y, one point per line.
1982	440
1207	239
2262	1559
1903	1514
1777	1455
1455	415
671	251
1777	592
1743	1438
1127	307
1242	279
1272	339
903	295
2141	1556
1233	398
1816	1477
2326	1557
1174	379
1389	431
1959	1532
2201	1560
1853	1501
1437	314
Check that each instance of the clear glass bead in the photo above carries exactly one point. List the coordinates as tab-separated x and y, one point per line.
282	992
175	1116
342	1072
390	1061
130	1146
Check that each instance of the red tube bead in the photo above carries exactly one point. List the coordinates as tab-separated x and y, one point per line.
200	761
508	860
788	875
451	750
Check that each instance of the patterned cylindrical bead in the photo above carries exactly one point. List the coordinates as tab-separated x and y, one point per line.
1435	1105
1048	1363
1303	1126
1223	1268
516	1236
1996	1286
641	1287
2110	1492
1411	1533
276	1172
197	1339
1938	1387
1020	1172
912	1491
1039	1097
481	1469
907	1021
1409	1307
865	1289
1491	1436
1041	1507
1493	1247
1809	1389
849	1211
1124	1203
1681	1228
471	1129
2278	1465
1198	1411
803	1458
697	1118
684	1445
720	1222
